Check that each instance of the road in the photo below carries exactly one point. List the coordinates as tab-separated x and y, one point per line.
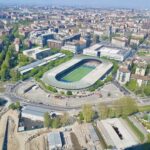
10	95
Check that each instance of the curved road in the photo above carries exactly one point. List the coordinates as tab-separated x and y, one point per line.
10	95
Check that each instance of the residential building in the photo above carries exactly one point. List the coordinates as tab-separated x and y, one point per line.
119	41
75	47
37	53
42	39
123	75
55	44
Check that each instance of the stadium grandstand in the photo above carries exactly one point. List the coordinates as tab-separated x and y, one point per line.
78	73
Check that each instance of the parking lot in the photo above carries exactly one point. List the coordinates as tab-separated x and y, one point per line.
110	91
36	94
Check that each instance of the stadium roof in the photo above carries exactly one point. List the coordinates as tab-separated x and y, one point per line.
87	81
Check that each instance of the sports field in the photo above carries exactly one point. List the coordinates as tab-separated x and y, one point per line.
77	74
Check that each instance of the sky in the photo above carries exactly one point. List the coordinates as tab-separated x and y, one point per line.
139	4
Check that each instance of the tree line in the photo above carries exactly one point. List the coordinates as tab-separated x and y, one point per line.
120	108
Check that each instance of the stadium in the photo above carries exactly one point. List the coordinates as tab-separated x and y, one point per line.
78	73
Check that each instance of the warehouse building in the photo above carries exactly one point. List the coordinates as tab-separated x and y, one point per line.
36	113
38	63
115	134
54	141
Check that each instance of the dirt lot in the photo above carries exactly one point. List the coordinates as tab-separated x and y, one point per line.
13	142
39	143
17	140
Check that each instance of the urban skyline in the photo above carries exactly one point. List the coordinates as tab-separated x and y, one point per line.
137	4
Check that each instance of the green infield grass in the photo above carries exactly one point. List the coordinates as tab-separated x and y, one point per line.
77	74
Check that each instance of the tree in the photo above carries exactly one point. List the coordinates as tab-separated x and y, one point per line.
3	73
147	90
62	92
109	79
18	105
88	112
1	58
14	74
132	85
56	122
103	111
14	106
126	106
147	69
81	117
118	111
98	84
133	68
47	120
115	67
65	119
148	137
69	93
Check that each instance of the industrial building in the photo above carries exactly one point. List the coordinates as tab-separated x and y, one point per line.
116	134
99	50
38	63
36	113
54	141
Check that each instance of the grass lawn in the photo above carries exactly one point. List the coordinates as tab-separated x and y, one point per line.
78	73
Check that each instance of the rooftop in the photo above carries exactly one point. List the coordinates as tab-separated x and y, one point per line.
116	134
54	139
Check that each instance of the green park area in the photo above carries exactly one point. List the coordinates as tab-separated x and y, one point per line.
77	74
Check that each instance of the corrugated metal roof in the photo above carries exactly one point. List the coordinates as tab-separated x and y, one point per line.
37	111
93	134
54	139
